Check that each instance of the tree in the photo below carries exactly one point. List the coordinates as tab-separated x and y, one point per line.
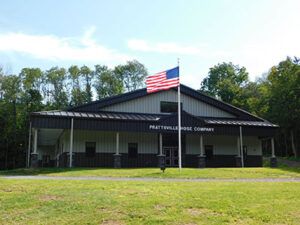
36	90
78	97
32	80
1	84
253	98
57	95
88	75
224	81
133	75
10	86
30	99
107	83
284	98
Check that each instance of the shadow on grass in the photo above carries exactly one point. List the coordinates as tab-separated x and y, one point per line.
283	167
88	171
47	170
288	169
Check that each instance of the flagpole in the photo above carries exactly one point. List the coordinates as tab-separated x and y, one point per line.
179	123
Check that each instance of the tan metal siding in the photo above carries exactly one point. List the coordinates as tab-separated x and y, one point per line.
222	145
151	104
147	142
254	146
106	141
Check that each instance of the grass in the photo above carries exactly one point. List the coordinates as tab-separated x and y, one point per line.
291	158
137	202
222	173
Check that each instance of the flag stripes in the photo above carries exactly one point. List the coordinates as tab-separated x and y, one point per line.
160	81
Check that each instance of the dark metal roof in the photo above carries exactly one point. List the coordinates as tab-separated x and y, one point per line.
96	106
146	117
239	123
100	115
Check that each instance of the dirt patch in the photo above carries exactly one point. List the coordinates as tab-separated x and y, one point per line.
6	190
160	207
105	210
13	189
196	212
50	198
115	212
135	192
130	191
188	223
295	215
112	222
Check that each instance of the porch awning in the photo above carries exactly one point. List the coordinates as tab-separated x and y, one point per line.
148	118
240	123
100	115
143	122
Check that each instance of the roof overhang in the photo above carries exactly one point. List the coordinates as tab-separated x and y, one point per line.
142	122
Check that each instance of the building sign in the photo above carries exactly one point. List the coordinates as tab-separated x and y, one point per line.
174	128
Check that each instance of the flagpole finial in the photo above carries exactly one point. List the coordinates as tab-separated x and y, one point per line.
178	60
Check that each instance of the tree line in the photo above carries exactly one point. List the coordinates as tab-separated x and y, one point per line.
35	90
275	97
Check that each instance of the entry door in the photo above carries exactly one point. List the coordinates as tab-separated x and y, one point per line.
132	155
171	154
45	160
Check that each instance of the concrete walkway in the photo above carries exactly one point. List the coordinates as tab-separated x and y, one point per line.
153	179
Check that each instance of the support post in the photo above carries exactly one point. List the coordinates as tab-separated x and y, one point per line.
201	157
242	150
117	156
29	145
238	161
273	160
273	148
201	146
160	144
117	143
34	154
35	140
71	144
161	156
238	146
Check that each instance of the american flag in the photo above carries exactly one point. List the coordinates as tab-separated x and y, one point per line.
163	80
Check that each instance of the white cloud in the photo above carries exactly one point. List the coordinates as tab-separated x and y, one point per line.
203	49
169	47
55	48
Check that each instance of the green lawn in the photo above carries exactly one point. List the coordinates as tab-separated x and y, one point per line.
137	202
291	158
223	173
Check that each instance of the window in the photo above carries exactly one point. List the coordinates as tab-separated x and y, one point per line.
209	151
169	107
90	149
132	150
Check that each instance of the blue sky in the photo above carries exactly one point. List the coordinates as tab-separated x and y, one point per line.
256	34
